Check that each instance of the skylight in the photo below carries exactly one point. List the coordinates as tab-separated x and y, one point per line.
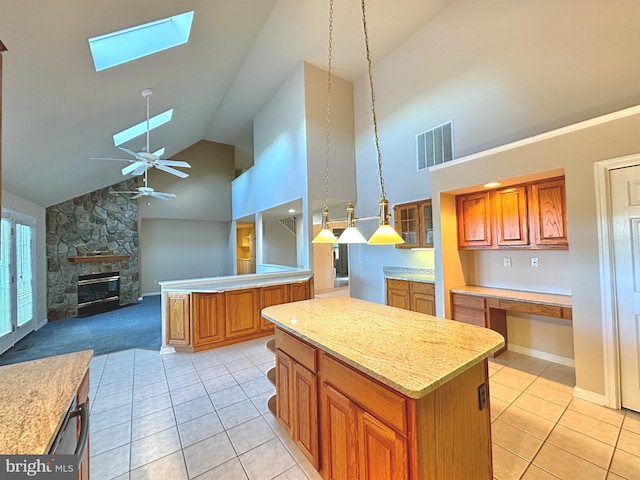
140	128
123	46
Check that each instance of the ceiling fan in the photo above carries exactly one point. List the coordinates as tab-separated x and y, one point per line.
146	191
145	159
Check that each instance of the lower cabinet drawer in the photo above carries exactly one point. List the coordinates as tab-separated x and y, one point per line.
302	353
469	315
470	301
372	396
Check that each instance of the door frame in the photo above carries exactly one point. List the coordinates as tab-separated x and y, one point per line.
609	310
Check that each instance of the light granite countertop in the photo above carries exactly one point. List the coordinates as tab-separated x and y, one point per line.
235	282
34	399
410	352
553	299
411	274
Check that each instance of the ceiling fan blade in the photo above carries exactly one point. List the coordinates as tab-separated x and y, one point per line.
162	195
173	171
133	168
116	159
130	152
174	163
138	195
140	170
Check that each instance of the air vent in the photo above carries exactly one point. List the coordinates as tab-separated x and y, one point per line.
435	146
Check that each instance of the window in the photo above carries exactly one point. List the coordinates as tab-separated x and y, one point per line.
123	46
140	128
17	297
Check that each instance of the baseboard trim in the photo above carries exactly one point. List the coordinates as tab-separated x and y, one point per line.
590	396
167	349
569	362
150	294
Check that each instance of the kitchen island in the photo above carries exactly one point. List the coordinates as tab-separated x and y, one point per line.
35	397
206	313
371	391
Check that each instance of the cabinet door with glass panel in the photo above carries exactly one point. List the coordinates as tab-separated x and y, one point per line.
414	222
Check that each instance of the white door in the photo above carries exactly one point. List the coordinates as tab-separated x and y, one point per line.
16	279
625	203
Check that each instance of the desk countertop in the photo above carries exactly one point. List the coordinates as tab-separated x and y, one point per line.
410	352
517	295
34	399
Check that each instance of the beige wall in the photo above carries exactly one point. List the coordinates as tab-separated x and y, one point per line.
574	150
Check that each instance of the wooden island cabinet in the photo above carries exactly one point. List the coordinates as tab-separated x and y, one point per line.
361	410
200	318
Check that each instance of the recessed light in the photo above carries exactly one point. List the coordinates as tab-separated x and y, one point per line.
291	210
492	184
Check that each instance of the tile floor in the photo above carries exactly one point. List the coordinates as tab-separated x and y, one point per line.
204	416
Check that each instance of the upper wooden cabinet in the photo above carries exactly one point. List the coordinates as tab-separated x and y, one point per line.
474	220
548	213
414	222
531	215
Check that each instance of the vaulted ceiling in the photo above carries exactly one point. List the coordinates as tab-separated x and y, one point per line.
58	111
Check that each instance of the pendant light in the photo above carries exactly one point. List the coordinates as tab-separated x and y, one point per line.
325	235
385	234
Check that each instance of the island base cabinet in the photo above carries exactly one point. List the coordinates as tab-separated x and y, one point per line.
356	445
179	319
297	404
453	429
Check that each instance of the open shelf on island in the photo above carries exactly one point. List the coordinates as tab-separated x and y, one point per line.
271	375
271	345
271	405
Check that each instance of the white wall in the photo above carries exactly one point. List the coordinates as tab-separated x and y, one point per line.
502	71
279	245
182	249
19	204
279	173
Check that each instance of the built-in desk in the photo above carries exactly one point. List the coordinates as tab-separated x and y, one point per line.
485	306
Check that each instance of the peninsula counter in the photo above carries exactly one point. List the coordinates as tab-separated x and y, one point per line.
371	391
206	313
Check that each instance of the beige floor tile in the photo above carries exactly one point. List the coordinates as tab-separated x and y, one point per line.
250	434
546	390
539	406
111	463
603	431
515	440
613	476
267	461
567	466
506	465
497	406
109	418
527	421
199	428
625	465
561	374
629	442
494	367
153	447
231	470
536	473
193	409
237	413
295	473
110	438
632	421
170	467
614	417
581	445
506	357
531	365
207	454
513	378
503	392
152	423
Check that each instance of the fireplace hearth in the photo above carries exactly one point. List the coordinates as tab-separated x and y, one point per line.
98	292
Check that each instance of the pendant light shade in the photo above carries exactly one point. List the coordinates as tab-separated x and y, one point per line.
385	234
325	235
351	233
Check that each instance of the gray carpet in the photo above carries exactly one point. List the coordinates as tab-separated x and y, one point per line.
134	326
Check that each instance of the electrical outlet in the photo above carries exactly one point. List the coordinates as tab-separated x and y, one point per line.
506	261
534	262
482	396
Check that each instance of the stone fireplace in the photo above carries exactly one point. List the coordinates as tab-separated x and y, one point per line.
88	237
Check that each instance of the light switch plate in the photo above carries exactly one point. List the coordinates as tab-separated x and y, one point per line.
534	261
506	261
